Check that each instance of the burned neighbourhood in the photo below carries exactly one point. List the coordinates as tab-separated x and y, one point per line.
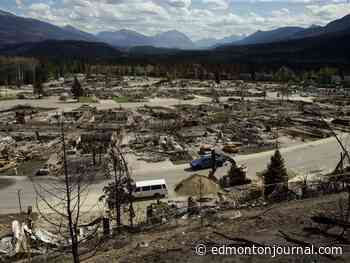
157	153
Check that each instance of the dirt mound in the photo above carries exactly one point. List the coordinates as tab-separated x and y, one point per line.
195	184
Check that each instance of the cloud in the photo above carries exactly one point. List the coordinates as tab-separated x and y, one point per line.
19	3
196	18
328	12
216	4
176	3
42	11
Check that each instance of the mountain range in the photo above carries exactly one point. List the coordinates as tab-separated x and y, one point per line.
128	38
291	33
206	43
275	35
16	30
176	39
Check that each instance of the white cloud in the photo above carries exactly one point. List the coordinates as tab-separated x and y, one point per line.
216	4
42	11
196	18
19	3
328	12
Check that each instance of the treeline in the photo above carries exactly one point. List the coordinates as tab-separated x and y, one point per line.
19	71
58	58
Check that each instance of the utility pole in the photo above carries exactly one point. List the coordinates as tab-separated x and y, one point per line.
19	191
200	199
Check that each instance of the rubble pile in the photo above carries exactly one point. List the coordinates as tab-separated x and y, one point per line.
7	147
197	185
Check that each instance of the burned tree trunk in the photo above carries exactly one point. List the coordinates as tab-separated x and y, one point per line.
119	192
72	226
64	198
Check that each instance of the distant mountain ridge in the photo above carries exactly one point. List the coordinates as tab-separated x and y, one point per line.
15	29
335	26
274	35
290	33
129	38
173	39
213	42
329	49
82	34
124	38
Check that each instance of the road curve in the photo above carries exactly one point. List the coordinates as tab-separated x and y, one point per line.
318	155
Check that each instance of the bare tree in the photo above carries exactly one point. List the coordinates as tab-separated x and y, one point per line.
119	192
329	127
60	202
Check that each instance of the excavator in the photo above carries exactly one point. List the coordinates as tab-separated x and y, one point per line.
235	176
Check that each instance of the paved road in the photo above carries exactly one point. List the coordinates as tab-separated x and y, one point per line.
53	102
318	155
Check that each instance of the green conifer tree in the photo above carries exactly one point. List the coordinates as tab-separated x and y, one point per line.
77	90
275	177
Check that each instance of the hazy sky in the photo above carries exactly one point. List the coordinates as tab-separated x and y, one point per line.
196	18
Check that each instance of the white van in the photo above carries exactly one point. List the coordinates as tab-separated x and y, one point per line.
151	188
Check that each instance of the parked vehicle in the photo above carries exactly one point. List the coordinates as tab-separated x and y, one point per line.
43	171
206	162
231	148
205	149
151	188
